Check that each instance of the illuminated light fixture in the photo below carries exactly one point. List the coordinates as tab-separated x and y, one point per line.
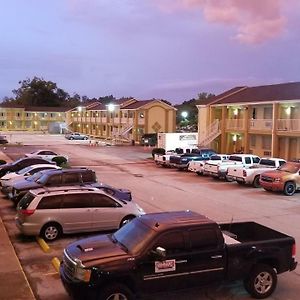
35	122
10	122
78	125
87	114
35	114
60	114
87	126
184	114
235	111
78	114
97	115
79	108
234	137
288	110
111	107
45	114
72	115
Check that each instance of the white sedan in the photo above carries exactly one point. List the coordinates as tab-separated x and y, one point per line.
45	154
7	180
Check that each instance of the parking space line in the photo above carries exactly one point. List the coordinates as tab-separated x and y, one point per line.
43	244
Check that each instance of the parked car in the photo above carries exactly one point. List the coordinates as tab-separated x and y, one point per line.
76	136
198	166
250	175
181	162
285	179
149	139
219	169
20	164
121	194
45	154
53	212
166	251
52	178
3	139
8	180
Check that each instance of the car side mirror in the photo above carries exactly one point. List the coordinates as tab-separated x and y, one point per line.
159	253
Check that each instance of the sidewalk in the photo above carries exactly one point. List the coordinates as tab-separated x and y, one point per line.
13	282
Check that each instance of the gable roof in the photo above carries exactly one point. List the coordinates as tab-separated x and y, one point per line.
264	93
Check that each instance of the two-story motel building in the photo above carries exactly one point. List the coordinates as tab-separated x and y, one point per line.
264	120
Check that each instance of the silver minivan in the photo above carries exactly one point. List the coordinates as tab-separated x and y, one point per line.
51	212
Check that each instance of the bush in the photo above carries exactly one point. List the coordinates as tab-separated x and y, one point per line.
60	160
158	151
2	162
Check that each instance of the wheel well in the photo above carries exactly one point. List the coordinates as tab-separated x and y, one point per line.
290	181
54	223
127	217
272	262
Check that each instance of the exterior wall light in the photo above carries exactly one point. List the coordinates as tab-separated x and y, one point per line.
235	111
234	137
110	107
288	111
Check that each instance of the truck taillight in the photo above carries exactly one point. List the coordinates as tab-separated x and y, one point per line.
244	173
294	250
27	212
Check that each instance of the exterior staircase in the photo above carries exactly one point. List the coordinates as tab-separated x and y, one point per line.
121	135
212	132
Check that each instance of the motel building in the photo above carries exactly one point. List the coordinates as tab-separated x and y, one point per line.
263	120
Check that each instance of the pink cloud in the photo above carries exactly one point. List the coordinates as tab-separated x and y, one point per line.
255	21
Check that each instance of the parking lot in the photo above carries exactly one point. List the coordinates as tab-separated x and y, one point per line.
155	189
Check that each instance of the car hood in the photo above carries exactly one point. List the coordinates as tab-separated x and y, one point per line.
23	184
10	176
100	248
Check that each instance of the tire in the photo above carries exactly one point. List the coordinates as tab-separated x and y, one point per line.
126	220
116	291
199	173
261	282
71	138
289	189
255	182
227	179
85	138
51	232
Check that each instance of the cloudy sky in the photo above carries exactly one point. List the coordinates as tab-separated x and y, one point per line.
167	49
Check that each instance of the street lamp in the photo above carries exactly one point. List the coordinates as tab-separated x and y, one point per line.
110	107
184	114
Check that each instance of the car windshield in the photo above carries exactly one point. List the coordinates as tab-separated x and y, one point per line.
215	157
35	176
290	168
24	171
134	236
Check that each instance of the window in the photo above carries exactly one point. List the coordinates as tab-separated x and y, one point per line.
268	112
71	178
76	201
102	201
266	142
254	113
53	180
88	176
50	202
26	200
172	241
247	160
256	160
252	140
203	238
282	162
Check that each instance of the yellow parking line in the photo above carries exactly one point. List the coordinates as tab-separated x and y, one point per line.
56	263
43	244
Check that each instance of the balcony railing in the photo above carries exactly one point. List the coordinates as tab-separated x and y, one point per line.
261	124
288	125
235	124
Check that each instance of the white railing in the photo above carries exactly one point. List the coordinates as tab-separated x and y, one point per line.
288	125
212	132
260	124
235	124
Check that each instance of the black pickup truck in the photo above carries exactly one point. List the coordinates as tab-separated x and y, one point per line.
181	162
176	250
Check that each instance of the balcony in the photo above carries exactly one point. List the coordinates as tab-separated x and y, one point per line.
288	125
261	124
235	124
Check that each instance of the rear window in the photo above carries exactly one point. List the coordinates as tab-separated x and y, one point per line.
215	157
267	162
235	158
88	176
25	201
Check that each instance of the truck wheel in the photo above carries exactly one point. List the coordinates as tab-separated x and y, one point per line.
126	220
261	282
116	292
256	183
51	231
289	189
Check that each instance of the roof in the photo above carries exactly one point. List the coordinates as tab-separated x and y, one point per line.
265	93
139	104
163	220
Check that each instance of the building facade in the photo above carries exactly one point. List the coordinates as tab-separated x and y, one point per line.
123	120
264	120
21	118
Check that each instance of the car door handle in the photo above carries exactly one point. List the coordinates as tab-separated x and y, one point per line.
216	256
181	261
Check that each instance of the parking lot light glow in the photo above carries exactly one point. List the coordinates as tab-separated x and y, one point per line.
111	107
184	114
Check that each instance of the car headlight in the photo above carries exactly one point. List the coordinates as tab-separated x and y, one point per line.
140	209
81	273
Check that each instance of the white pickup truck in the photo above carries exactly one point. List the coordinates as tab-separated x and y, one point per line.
164	159
219	169
198	166
251	175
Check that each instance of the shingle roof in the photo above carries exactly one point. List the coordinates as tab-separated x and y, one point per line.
264	93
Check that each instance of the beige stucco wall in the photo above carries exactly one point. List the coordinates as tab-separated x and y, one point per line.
203	121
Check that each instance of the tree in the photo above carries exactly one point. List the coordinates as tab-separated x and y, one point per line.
39	92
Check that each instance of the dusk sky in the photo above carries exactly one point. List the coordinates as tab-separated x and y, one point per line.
165	49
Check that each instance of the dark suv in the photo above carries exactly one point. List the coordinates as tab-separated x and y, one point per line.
21	164
52	178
